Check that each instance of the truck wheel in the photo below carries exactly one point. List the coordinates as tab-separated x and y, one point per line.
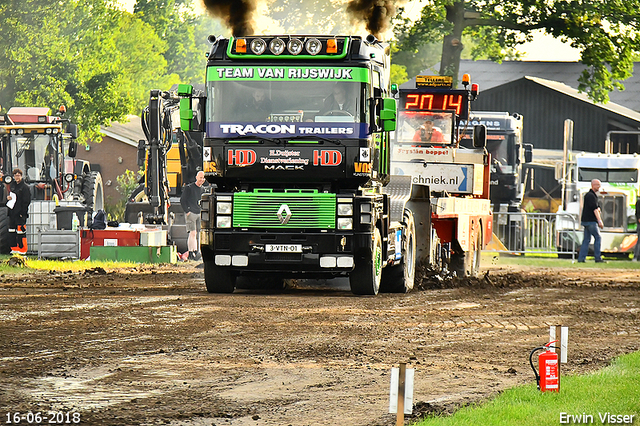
217	279
5	241
92	191
365	277
400	278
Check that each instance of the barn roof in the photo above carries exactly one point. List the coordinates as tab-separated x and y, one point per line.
489	74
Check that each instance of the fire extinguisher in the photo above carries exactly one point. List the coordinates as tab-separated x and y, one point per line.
549	378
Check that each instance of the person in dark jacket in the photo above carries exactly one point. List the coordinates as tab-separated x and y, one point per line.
190	202
19	212
3	192
338	101
591	220
636	254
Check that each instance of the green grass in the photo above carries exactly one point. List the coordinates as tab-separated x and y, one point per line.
33	264
614	390
552	261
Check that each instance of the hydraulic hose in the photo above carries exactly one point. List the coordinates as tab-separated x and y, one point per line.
535	372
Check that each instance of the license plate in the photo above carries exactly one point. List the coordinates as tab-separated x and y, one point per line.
283	248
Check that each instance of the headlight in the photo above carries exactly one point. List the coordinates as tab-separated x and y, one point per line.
345	209
313	46
345	223
223	221
258	46
223	208
365	219
365	208
204	215
277	46
295	46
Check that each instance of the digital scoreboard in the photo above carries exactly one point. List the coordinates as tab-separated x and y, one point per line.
436	100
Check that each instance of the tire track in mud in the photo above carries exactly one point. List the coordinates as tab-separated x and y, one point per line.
162	350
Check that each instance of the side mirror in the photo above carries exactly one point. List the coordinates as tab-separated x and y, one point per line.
479	136
388	114
528	152
73	130
73	149
141	152
186	112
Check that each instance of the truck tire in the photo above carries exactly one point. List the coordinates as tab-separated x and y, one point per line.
365	277
5	240
92	191
400	278
218	279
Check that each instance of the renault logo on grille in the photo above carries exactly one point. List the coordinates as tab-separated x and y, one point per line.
284	214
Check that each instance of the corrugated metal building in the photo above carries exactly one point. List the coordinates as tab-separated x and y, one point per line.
545	106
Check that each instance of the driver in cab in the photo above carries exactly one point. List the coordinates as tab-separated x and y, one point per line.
338	101
428	133
257	107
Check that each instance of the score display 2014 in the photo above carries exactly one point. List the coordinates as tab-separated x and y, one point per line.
434	101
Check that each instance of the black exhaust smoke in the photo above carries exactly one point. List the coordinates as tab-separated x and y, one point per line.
235	13
376	14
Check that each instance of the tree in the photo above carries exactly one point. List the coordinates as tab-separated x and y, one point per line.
605	31
175	21
76	53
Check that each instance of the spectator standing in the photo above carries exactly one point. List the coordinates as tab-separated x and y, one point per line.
19	213
591	220
190	201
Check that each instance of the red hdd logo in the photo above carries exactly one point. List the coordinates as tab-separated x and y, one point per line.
326	157
241	157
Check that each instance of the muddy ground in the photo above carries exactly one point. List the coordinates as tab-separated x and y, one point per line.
150	346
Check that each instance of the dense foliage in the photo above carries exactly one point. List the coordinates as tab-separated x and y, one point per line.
96	59
605	31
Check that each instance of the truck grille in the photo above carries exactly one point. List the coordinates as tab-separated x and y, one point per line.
298	209
613	210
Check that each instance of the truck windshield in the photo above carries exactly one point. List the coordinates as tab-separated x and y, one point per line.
425	128
608	175
286	101
34	155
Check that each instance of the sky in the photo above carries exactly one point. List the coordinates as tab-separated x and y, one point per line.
546	48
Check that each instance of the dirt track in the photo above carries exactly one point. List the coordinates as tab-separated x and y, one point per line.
152	347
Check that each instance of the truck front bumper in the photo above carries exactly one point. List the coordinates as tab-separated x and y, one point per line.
289	253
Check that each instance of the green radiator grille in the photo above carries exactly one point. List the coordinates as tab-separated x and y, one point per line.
290	209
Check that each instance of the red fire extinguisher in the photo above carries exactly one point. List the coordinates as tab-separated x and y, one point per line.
549	378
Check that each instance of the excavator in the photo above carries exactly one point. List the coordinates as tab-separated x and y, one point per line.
170	157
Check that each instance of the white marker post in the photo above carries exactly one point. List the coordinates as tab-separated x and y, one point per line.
562	334
401	392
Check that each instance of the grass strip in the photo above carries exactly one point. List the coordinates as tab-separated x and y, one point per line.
583	399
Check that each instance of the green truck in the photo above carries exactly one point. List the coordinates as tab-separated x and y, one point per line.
298	138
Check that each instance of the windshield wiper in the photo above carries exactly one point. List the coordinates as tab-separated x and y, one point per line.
312	137
253	138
